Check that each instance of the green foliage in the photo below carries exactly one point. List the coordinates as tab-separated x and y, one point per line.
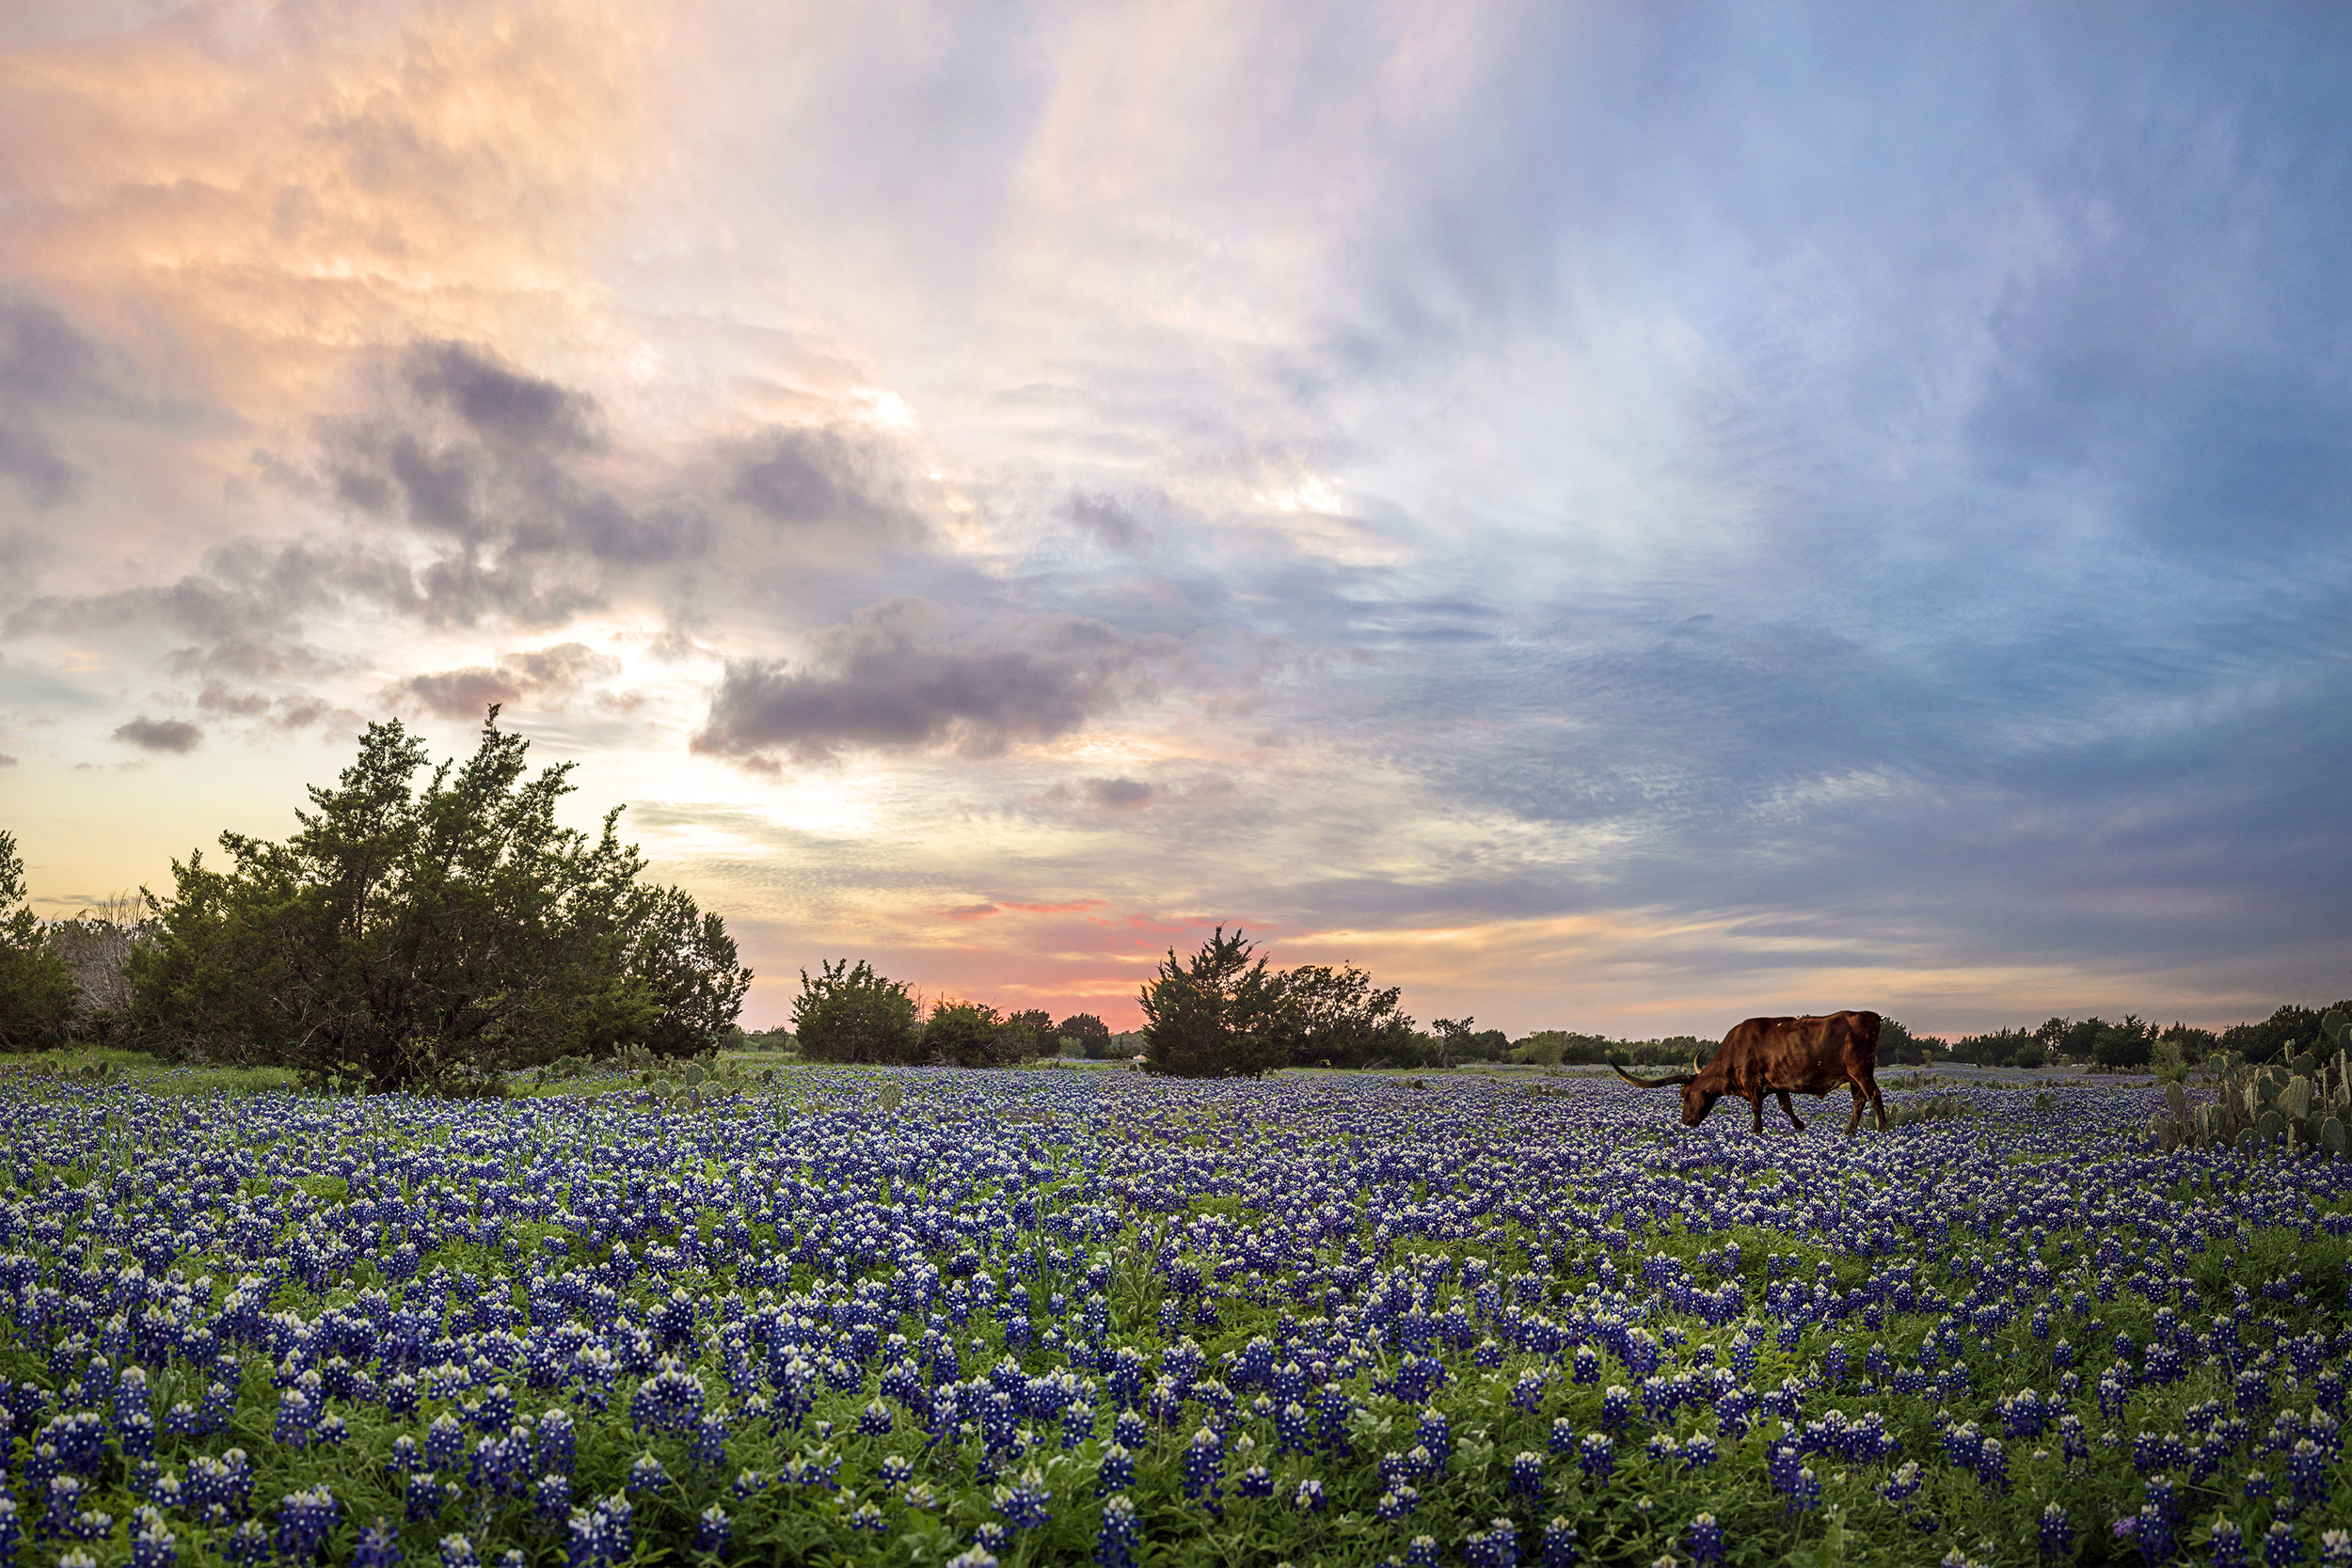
1217	1014
2121	1047
36	988
974	1035
428	937
1092	1035
854	1015
1342	1021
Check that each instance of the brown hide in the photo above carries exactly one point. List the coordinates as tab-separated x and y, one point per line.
1781	1056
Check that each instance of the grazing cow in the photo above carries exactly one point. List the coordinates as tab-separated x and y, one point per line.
1775	1056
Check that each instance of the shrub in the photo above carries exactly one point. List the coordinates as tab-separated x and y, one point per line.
1092	1035
429	937
974	1035
1216	1015
855	1015
36	988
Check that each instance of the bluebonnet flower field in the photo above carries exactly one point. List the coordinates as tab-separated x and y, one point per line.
923	1316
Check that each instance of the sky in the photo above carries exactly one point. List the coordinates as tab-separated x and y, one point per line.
1618	517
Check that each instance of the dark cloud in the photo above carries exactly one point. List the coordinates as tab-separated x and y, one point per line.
48	367
244	592
500	465
249	658
1107	520
886	681
239	704
7	761
160	735
500	403
809	476
544	677
1117	794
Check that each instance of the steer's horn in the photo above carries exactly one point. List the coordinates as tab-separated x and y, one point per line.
1653	1083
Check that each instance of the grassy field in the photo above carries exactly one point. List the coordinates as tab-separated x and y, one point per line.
1076	1313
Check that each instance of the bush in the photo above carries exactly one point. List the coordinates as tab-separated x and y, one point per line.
974	1035
1092	1035
426	938
1342	1021
854	1015
1216	1015
36	988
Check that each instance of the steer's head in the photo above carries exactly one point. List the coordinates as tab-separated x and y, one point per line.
1696	1101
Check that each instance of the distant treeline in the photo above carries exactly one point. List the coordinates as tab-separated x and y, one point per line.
2135	1043
2128	1044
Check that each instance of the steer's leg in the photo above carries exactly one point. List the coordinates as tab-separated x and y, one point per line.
1858	1103
1789	1110
1871	1081
1756	1106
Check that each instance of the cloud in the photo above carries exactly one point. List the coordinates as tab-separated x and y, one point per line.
544	677
810	476
247	590
240	705
160	735
498	469
1117	794
887	681
48	367
7	761
1106	519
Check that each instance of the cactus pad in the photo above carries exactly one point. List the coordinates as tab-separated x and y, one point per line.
2333	1139
2296	1099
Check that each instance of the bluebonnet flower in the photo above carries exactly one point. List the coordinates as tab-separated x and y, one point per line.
1115	1541
1560	1543
305	1520
2054	1536
1024	1503
1705	1540
713	1530
1596	1456
379	1546
2280	1547
1204	1470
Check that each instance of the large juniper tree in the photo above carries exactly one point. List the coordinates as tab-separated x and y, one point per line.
1217	1014
407	935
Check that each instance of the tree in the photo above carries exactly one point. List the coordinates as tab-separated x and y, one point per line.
1454	1037
96	945
2122	1046
2282	1034
1217	1014
974	1035
1342	1021
431	936
854	1015
36	988
1092	1035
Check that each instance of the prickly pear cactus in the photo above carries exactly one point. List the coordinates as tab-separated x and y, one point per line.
2176	1099
2296	1099
694	1075
2333	1139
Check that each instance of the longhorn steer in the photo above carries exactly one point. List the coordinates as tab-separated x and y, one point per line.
1775	1056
